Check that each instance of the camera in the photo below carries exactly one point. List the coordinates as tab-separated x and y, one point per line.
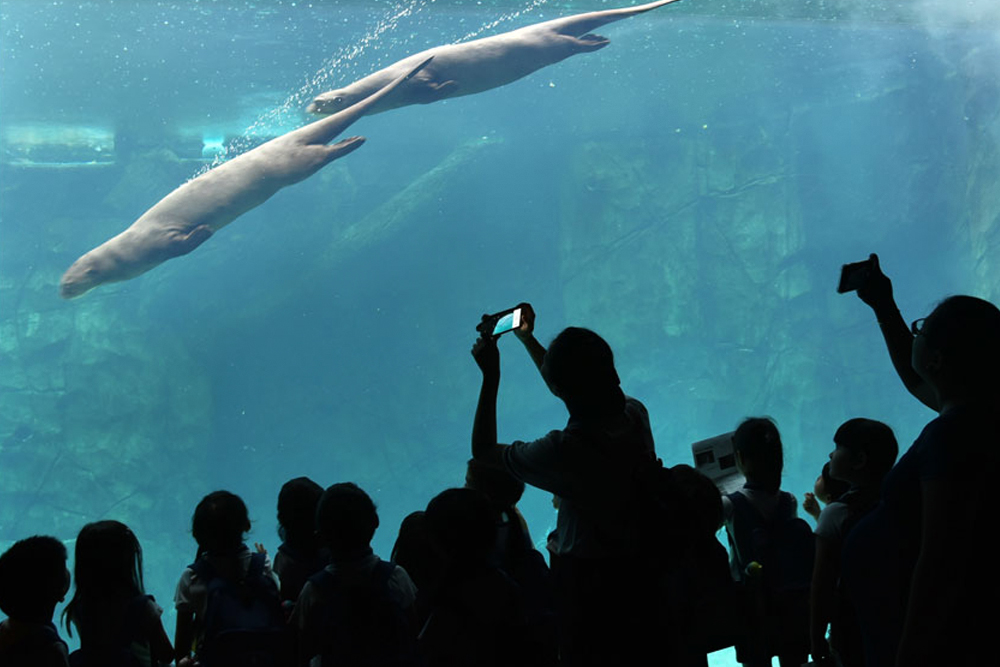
500	323
853	276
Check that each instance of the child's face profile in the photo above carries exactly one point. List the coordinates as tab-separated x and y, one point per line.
842	464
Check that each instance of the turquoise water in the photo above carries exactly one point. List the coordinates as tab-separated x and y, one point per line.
689	192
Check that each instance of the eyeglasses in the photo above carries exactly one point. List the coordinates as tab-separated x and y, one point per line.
917	327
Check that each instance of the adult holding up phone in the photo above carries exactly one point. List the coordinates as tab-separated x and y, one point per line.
915	567
605	614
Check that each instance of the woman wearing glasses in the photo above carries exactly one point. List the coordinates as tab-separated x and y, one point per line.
917	567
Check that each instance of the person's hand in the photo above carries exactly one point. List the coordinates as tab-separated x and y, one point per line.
811	505
487	356
527	328
260	548
876	291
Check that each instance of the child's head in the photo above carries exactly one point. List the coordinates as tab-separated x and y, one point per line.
219	522
108	558
866	450
501	488
462	525
346	519
701	500
33	579
828	489
297	503
759	454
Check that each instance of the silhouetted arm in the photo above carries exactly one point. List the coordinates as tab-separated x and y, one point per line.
183	636
161	652
877	293
485	447
526	334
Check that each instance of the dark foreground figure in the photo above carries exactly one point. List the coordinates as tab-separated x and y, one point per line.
922	579
606	610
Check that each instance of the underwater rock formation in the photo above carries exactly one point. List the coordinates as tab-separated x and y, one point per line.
95	409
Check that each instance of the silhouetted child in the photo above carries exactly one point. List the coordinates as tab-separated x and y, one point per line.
300	555
703	611
771	549
118	624
358	610
478	615
33	579
825	490
865	451
227	601
417	553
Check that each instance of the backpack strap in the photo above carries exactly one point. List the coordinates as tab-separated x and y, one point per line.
746	519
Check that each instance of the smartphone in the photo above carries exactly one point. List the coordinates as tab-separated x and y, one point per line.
853	276
500	323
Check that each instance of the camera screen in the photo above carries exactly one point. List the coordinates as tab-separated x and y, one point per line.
508	322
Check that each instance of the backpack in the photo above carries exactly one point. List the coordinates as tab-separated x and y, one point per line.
779	597
362	624
785	548
244	625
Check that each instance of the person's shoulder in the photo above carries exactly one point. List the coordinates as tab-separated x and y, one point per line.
399	584
32	645
633	403
551	440
832	519
789	499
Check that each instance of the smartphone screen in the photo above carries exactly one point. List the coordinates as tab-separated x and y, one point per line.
508	322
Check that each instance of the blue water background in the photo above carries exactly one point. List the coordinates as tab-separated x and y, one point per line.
354	365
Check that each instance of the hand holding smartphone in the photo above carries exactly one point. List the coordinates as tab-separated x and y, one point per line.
500	323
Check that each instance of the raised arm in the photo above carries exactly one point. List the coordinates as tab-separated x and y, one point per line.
877	293
526	334
484	427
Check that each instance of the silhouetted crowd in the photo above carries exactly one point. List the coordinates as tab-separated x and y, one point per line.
897	573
